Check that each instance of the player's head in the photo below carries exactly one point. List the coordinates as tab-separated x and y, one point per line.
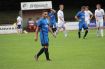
98	6
83	8
61	6
86	8
44	13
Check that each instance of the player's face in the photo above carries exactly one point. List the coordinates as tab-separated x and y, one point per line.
98	6
83	9
45	14
61	7
86	8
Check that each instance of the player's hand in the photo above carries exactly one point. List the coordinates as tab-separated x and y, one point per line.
97	20
79	20
104	19
90	18
36	39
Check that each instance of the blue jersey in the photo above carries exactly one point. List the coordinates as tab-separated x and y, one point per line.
81	16
43	25
82	24
52	18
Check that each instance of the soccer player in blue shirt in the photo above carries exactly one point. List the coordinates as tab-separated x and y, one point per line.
44	28
52	19
80	16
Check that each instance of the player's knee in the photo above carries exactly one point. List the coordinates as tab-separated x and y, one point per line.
79	30
87	30
45	46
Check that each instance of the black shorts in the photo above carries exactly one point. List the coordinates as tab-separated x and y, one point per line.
47	44
53	29
19	26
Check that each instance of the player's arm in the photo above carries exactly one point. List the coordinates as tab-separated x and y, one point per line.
96	16
51	31
17	21
36	33
37	30
53	10
61	19
60	16
76	17
104	15
91	15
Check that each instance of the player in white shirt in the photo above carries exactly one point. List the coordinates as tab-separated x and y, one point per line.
88	15
61	21
99	16
19	24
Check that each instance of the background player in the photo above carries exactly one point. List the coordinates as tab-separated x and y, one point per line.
52	18
99	15
61	21
80	16
88	15
44	28
19	23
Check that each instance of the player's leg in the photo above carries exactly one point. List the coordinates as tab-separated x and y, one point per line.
42	49
79	31
51	26
39	53
88	22
101	28
46	53
54	28
58	27
19	28
97	26
86	30
64	29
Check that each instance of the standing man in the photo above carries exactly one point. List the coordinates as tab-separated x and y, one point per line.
19	23
88	15
80	16
43	26
52	19
61	21
99	16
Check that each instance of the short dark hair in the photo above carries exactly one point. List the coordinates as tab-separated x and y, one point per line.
61	4
99	5
44	11
83	7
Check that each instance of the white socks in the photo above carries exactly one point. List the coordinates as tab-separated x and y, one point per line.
65	33
100	32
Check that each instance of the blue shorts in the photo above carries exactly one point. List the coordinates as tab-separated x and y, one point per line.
53	24
83	25
44	39
19	26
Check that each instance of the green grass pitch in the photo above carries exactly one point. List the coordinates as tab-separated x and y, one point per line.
17	52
